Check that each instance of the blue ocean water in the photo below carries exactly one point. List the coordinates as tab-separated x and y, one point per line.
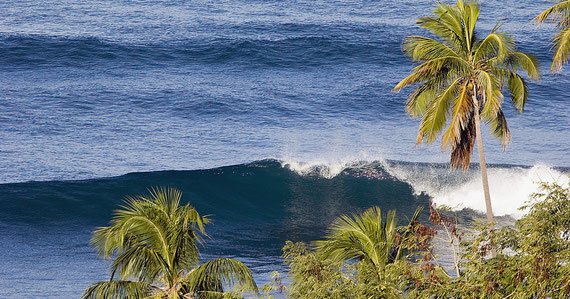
91	91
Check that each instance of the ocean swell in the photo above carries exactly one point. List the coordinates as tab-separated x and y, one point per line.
37	51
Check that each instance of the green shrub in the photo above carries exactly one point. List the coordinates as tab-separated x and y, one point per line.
532	261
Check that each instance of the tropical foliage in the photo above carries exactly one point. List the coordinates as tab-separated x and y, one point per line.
154	240
559	14
365	237
461	79
354	259
533	258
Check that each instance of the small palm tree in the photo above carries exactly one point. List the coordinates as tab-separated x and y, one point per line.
560	14
154	241
365	237
461	80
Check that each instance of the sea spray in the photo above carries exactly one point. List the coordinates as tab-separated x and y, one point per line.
510	186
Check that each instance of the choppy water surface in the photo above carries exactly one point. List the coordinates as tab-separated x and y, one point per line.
99	89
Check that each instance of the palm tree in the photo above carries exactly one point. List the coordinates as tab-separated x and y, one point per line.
559	13
367	238
154	241
462	77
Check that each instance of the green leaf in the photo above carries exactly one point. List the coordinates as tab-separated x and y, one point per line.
118	290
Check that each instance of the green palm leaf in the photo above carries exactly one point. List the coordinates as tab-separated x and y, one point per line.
214	274
494	45
518	89
562	49
423	48
559	14
434	119
462	109
140	262
117	290
367	237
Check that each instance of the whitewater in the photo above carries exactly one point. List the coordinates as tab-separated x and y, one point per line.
510	186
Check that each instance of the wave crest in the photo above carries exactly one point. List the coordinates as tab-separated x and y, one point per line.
510	186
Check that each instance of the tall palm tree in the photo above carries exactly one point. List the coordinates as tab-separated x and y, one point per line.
560	14
462	77
365	237
154	241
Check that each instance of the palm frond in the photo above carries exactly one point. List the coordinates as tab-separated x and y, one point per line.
140	262
434	120
422	48
494	45
517	61
149	231
165	199
184	249
448	25
462	149
499	128
421	98
215	273
519	91
562	49
554	13
106	241
491	91
361	237
117	290
462	109
446	31
470	14
560	14
442	67
190	217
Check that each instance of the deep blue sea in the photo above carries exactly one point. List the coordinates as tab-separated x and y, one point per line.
274	117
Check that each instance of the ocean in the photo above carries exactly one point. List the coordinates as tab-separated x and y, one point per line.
273	117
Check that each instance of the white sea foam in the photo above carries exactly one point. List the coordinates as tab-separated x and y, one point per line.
510	187
326	170
328	166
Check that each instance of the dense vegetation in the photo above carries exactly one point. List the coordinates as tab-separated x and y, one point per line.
532	261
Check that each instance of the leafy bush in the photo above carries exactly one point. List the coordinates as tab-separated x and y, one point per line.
532	257
358	259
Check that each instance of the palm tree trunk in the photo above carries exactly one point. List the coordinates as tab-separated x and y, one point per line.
482	163
483	167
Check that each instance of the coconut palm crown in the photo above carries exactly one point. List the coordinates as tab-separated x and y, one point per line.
559	14
460	79
366	237
155	241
